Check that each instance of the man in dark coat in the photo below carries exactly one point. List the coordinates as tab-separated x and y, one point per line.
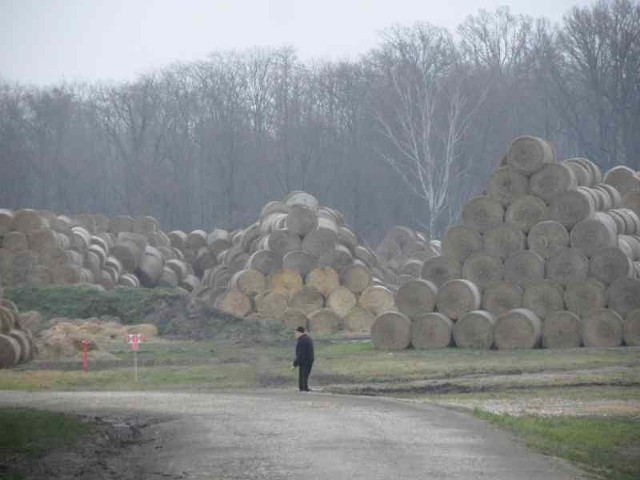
304	358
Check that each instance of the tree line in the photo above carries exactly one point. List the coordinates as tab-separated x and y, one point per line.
404	135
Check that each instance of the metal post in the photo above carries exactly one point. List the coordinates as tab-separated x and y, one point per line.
135	364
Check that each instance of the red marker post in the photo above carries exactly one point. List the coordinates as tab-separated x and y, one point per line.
134	340
85	354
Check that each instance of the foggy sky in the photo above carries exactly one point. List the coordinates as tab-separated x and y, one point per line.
47	41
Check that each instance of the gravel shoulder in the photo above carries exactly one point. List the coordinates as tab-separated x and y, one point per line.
280	435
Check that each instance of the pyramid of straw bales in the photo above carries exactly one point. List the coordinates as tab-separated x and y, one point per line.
299	264
548	255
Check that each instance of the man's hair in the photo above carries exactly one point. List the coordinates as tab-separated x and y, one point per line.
300	329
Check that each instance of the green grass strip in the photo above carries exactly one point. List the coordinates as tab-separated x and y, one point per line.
608	446
28	432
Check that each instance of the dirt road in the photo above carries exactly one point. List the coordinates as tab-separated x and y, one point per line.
276	435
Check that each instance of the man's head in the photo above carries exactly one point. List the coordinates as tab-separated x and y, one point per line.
299	331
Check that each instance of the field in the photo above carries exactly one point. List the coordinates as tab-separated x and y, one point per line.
579	404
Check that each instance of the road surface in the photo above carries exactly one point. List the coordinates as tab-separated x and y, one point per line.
274	435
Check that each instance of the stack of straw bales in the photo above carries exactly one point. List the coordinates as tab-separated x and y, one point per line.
300	264
16	342
548	256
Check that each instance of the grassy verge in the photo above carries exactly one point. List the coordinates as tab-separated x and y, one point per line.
131	305
27	432
606	446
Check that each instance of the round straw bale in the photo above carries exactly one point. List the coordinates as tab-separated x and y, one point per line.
571	207
359	319
602	328
416	297
400	235
294	318
282	242
459	242
286	282
504	240
518	328
623	179
178	239
179	267
319	241
41	276
596	174
271	304
592	235
561	329
500	297
523	267
505	185
299	261
377	299
42	239
10	351
568	265
482	269
391	331
265	261
307	299
482	213
150	269
235	303
145	224
609	264
27	220
631	328
6	221
15	242
300	198
324	279
218	240
366	256
129	280
324	321
387	249
543	298
204	260
413	268
623	295
168	278
337	259
613	195
440	270
431	330
548	238
7	320
631	200
189	283
551	180
120	223
301	220
274	206
356	278
581	173
475	330
526	211
342	300
196	240
347	238
584	296
250	282
457	297
26	345
529	154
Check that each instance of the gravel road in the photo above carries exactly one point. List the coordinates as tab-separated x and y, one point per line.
274	435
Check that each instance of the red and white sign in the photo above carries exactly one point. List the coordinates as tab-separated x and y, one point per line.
135	339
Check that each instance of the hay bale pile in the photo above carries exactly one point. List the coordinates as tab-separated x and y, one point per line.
300	264
41	248
16	341
548	255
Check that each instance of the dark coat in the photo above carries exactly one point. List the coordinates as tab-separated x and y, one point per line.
304	351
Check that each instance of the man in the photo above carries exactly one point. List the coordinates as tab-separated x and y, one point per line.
304	358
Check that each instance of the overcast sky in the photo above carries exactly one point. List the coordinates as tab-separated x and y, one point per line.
47	41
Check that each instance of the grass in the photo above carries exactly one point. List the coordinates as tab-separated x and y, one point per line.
29	432
131	305
605	446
